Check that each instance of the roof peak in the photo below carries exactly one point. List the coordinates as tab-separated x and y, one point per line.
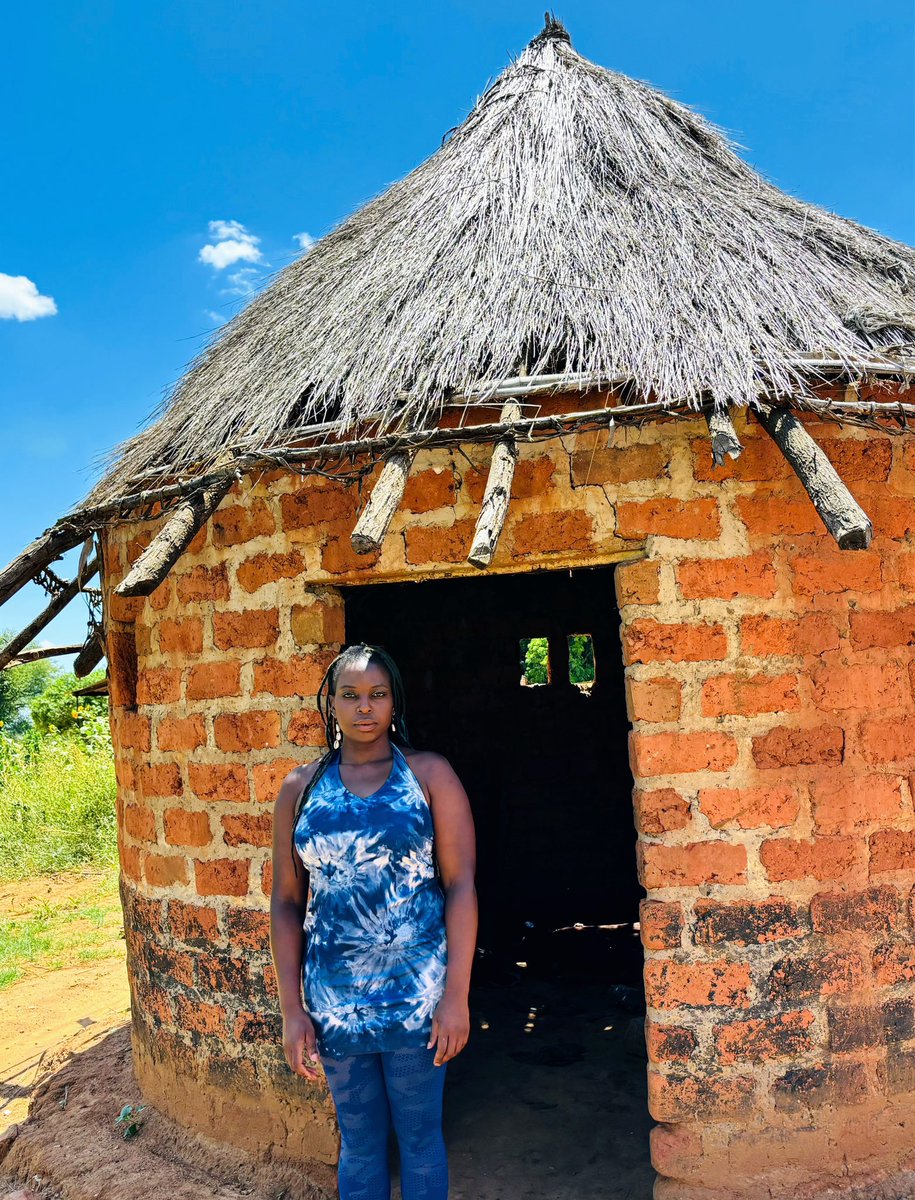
553	31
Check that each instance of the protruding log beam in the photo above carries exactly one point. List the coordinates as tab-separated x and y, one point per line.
90	655
41	553
724	436
172	540
57	605
383	503
840	512
39	652
497	495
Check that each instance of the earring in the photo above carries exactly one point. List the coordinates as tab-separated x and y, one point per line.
336	734
393	726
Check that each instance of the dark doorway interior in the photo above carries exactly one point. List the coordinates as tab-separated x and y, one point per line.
549	1095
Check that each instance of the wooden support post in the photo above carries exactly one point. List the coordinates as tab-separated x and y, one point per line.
497	495
841	513
40	554
39	652
90	655
172	540
57	605
383	503
724	436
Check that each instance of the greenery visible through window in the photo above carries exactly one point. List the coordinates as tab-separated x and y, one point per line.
535	662
581	660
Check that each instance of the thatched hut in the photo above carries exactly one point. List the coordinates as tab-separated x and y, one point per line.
582	335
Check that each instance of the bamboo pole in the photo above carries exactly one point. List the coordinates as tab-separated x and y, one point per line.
57	605
840	512
383	503
497	494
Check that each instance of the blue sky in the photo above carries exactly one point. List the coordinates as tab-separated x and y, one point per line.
130	127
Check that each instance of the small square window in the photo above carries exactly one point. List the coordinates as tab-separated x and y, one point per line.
535	662
581	661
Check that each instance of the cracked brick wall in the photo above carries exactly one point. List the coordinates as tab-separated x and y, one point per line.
769	684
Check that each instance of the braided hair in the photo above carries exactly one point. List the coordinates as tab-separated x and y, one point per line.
358	656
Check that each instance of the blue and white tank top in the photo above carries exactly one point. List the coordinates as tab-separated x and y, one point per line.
376	955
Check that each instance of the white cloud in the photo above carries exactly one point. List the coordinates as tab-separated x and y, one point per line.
20	299
305	240
231	243
241	282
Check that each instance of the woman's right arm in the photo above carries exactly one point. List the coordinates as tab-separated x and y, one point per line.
288	901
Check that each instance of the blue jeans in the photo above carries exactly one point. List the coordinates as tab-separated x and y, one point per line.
372	1092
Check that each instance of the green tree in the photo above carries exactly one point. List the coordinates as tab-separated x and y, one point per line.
535	662
581	658
19	686
57	707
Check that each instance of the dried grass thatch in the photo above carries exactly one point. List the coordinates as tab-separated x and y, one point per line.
577	221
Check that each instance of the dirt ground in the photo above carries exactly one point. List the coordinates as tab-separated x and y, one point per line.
547	1101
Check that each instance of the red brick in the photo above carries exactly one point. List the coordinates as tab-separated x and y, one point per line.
750	808
314	624
726	578
875	910
760	462
133	731
203	583
163	870
246	829
797	979
867	685
670	984
866	1025
782	1036
183	637
884	740
748	923
339	558
680	753
824	858
181	733
218	781
777	517
248	929
130	862
660	811
691	865
653	700
245	731
192	922
637	583
691	1098
140	822
648	641
430	489
239	523
883	629
764	636
299	676
199	1016
224	973
439	543
851	571
533	477
222	877
620	464
268	778
660	924
186	828
256	572
213	681
306	728
669	1043
842	805
749	695
159	685
319	504
159	779
675	1149
161	597
894	963
251	629
785	746
125	608
692	519
550	532
892	850
866	459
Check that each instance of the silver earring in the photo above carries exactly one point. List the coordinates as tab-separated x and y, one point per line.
336	734
393	726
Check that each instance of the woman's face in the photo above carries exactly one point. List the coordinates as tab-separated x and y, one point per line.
363	702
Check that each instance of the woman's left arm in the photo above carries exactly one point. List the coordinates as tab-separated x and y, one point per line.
455	844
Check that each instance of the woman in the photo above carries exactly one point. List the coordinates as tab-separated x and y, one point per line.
385	951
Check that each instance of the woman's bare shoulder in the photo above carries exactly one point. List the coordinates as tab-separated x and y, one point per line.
292	786
429	765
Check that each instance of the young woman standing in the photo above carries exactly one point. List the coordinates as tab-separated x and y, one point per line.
378	931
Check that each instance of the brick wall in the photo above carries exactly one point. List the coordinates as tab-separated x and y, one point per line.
769	680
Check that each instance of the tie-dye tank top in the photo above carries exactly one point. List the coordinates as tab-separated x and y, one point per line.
375	955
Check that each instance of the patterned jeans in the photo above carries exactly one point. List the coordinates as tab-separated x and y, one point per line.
371	1093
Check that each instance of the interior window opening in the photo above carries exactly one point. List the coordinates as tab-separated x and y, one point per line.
535	662
582	671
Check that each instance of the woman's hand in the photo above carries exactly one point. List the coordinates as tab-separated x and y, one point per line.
450	1028
299	1040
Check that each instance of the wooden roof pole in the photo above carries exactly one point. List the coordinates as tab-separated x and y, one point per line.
90	655
39	652
724	436
498	492
41	553
383	503
840	512
172	540
11	650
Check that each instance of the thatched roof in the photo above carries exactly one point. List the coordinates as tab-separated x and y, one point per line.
578	221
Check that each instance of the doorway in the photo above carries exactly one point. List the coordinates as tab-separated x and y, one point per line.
518	681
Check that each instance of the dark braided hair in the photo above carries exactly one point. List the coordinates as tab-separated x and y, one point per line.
358	656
